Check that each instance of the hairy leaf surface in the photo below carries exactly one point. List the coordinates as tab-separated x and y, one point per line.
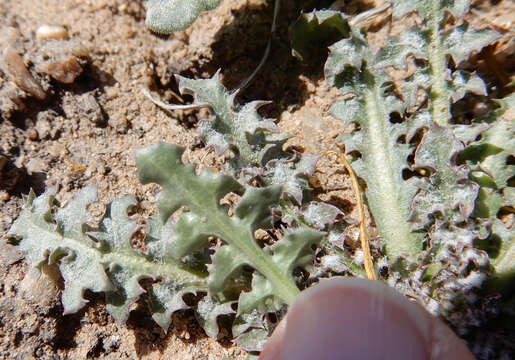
167	16
206	217
102	259
350	67
448	187
434	44
255	142
489	159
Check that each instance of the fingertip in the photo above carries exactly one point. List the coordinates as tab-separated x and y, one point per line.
359	319
273	346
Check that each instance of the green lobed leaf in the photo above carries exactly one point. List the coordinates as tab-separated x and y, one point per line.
253	340
115	230
411	42
501	239
504	262
244	322
462	40
167	298
255	142
253	330
436	45
101	259
448	187
490	158
167	16
61	239
351	68
347	55
319	214
427	8
232	124
291	174
420	80
492	152
206	217
208	311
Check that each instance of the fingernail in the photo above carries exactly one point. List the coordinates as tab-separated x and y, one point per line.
346	318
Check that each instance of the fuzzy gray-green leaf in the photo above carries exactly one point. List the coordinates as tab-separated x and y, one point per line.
291	174
410	42
253	340
382	157
231	125
448	187
63	241
462	40
254	141
428	7
103	259
205	216
162	164
208	310
489	158
439	45
167	16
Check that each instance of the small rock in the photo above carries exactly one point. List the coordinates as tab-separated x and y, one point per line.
91	109
54	48
64	70
11	99
33	134
4	196
21	76
48	124
35	165
43	127
112	92
61	59
11	36
55	32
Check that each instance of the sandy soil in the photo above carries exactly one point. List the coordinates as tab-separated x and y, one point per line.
83	132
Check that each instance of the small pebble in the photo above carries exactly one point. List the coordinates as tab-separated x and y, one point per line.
4	196
54	32
43	126
91	109
33	134
20	75
63	70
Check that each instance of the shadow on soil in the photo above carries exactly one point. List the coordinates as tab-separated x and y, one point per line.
240	45
91	79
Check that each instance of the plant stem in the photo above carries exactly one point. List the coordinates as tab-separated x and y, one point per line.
283	284
384	191
440	104
364	237
248	80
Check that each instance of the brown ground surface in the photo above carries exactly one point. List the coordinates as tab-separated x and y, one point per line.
85	133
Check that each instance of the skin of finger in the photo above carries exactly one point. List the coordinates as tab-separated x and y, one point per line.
364	318
273	345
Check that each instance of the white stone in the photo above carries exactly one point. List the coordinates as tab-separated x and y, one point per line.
51	32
